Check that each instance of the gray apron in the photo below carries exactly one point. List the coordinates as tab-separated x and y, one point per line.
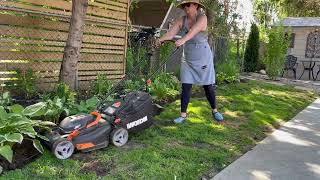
197	60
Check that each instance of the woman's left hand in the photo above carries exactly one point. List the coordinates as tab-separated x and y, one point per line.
179	42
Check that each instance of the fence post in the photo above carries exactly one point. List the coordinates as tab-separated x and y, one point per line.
154	59
238	51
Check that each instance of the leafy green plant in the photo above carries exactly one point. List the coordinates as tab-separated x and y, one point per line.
166	50
251	56
101	86
276	51
16	126
50	110
63	92
134	85
165	87
224	78
228	72
86	106
25	84
5	100
137	55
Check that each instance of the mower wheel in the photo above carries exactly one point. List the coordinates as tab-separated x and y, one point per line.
63	148
119	136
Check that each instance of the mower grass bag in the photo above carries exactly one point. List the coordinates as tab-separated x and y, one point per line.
134	113
87	132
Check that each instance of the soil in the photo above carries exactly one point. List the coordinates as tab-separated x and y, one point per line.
24	102
100	168
92	164
24	154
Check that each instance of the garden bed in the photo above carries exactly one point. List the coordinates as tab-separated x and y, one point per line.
24	153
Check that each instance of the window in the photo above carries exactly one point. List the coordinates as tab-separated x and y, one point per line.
292	38
313	45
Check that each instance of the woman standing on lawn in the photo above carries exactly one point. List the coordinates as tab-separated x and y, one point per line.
197	65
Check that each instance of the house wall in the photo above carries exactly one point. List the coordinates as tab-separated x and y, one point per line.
301	34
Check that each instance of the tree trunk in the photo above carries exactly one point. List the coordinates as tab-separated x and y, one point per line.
69	66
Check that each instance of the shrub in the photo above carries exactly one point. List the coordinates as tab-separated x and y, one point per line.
228	71
101	86
165	87
276	51
251	56
25	85
138	55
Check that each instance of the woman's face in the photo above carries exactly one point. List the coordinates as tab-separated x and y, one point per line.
190	8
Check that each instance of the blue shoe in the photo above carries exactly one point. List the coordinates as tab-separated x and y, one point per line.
179	120
217	116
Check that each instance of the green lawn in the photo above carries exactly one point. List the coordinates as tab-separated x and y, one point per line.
187	151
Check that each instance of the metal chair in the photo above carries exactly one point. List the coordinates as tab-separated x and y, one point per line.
290	64
317	73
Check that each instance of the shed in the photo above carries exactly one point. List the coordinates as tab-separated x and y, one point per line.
305	43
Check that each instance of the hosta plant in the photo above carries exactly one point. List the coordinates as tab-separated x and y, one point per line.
15	126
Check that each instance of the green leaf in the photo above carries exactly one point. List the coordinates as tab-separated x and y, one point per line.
6	152
2	138
37	145
6	95
3	113
92	102
28	130
58	102
35	110
14	137
43	137
17	108
82	103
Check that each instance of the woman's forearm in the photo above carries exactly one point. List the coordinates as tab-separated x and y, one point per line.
172	32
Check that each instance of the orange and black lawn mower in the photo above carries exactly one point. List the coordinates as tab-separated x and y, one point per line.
87	132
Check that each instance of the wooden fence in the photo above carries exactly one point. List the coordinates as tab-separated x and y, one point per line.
33	34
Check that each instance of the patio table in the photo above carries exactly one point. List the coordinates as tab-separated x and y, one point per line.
308	65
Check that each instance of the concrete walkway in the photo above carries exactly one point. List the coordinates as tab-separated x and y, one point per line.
289	153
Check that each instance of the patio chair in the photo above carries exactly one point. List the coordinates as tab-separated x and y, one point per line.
290	64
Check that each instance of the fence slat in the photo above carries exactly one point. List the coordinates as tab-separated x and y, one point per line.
56	25
55	66
57	56
108	6
124	5
57	36
65	5
36	43
53	11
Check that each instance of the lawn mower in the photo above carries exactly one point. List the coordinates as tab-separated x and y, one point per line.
110	122
87	132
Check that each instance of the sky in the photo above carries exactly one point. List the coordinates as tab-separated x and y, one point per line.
245	9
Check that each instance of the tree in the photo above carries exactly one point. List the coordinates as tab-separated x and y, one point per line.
69	66
251	56
276	51
264	11
298	8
